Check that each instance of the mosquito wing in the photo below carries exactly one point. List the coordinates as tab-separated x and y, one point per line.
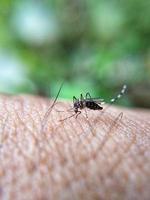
96	100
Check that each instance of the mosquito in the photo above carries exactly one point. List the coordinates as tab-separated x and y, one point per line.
91	103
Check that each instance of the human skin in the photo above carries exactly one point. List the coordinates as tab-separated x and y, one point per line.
104	156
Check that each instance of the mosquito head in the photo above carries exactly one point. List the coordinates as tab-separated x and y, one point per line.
76	106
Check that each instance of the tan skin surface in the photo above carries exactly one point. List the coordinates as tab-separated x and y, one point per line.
106	156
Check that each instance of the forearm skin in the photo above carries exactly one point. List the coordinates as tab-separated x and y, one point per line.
104	156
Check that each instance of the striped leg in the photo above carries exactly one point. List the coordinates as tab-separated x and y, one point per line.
120	94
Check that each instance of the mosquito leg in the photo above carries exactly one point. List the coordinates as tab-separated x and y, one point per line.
88	96
116	98
74	99
81	97
119	95
82	101
79	112
88	121
67	118
86	114
109	133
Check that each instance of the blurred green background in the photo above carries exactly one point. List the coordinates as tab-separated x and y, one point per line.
94	46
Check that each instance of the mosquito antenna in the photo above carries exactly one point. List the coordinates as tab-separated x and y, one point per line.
67	118
50	108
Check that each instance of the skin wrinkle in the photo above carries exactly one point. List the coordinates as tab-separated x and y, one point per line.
117	163
91	128
141	168
87	142
63	160
138	176
136	165
25	155
32	133
28	129
31	166
121	157
71	152
80	174
35	128
135	124
39	120
85	137
107	136
87	120
85	161
60	136
34	138
132	142
73	128
127	147
40	148
52	129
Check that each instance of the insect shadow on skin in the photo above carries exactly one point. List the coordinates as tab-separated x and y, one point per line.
90	103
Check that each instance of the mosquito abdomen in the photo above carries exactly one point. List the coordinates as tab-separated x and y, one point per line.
93	106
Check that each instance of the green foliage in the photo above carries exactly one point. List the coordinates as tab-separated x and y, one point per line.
95	45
